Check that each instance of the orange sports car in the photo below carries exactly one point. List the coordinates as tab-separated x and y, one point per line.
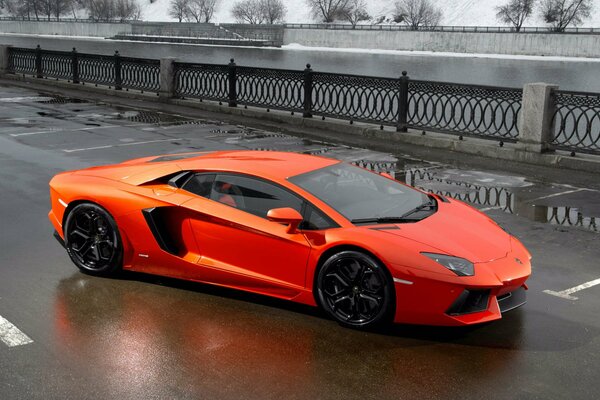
366	248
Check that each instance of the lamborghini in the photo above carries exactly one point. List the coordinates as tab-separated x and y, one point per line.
364	247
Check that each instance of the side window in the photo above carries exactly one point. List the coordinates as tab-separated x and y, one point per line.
315	219
200	184
254	196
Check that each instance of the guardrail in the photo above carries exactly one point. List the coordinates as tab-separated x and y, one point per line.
466	29
61	19
336	26
467	110
114	71
576	121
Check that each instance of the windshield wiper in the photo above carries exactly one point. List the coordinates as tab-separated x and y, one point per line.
430	204
382	220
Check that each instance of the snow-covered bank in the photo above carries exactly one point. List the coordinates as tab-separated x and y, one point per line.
299	47
455	12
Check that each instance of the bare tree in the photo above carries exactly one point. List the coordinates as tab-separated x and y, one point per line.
328	10
247	11
61	7
28	9
201	10
100	10
562	13
193	12
515	12
259	11
417	13
273	11
127	10
178	9
208	9
356	11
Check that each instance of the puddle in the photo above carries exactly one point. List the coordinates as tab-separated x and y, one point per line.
157	118
486	190
60	100
566	216
491	191
51	114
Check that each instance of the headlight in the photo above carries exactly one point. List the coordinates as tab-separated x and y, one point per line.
459	266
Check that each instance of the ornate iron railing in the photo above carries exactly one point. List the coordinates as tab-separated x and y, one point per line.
465	29
97	69
270	88
115	71
57	64
482	111
140	74
202	81
22	61
576	121
465	109
359	98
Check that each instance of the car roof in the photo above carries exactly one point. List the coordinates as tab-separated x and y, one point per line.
275	165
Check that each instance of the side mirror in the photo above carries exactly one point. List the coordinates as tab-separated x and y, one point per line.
386	175
287	216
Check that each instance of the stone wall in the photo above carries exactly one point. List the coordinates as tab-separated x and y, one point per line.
539	44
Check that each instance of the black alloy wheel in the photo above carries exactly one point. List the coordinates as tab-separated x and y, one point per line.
92	240
355	289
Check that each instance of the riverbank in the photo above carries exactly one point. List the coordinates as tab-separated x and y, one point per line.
530	44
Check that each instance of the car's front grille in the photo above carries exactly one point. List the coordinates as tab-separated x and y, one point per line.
470	301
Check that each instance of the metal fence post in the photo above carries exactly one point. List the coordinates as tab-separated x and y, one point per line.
118	78
74	66
308	91
402	125
38	62
232	79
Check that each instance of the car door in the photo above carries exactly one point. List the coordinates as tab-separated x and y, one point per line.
237	241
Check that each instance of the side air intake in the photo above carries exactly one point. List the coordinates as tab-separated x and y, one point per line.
155	218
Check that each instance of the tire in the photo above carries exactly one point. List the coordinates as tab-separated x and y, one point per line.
356	290
92	240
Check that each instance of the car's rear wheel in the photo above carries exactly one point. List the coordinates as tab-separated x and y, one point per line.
92	240
355	289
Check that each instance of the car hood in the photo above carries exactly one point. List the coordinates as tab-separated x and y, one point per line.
457	230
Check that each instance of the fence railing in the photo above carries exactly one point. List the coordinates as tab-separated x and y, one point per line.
335	26
460	109
66	19
466	29
576	121
472	110
114	71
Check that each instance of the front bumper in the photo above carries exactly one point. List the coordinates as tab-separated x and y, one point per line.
436	299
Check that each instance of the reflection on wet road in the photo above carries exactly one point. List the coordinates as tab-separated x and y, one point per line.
148	337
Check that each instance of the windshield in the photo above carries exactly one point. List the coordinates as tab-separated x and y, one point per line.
363	196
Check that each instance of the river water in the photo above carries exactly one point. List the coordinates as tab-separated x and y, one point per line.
569	74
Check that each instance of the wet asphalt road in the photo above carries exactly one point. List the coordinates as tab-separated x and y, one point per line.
143	337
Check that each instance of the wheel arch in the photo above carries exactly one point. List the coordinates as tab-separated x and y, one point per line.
346	247
125	242
74	204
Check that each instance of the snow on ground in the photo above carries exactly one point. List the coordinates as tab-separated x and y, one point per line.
299	47
456	12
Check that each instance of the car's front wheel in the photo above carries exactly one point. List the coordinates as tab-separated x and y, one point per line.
92	239
355	289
